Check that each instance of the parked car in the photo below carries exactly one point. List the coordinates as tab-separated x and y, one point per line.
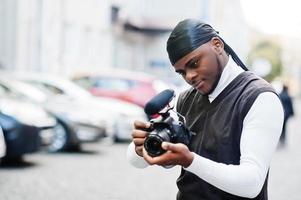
117	115
22	123
133	87
2	144
70	130
20	138
37	122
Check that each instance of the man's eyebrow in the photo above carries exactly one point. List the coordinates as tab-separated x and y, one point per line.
190	62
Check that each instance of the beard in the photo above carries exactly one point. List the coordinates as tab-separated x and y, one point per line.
217	77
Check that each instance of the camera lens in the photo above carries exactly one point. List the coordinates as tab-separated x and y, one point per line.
152	145
153	142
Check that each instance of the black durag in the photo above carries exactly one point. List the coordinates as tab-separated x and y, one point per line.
190	34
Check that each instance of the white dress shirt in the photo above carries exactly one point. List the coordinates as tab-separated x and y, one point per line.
261	131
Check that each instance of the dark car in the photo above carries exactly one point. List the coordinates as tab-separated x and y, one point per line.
2	144
20	138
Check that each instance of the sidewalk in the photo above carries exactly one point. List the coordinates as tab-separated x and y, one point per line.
285	172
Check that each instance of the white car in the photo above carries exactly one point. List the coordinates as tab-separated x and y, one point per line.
117	115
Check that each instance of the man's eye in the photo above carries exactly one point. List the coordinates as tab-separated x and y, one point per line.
195	63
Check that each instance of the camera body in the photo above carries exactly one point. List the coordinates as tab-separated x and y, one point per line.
165	128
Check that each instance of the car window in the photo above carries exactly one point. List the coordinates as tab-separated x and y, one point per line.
53	89
133	83
49	89
112	84
84	82
7	92
3	90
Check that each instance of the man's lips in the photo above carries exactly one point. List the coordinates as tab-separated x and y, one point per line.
198	85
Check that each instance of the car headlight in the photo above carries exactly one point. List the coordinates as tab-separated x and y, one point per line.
84	118
88	133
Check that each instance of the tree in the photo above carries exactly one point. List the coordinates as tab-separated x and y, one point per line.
269	50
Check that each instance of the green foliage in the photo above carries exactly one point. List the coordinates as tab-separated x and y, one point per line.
270	50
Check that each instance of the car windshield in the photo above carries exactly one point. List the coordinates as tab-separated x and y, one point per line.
29	91
117	84
61	86
73	89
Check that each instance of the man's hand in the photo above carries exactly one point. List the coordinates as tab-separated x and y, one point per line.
139	135
177	154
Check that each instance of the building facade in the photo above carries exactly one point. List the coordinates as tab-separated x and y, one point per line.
70	36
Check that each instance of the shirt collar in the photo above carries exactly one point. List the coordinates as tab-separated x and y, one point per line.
230	72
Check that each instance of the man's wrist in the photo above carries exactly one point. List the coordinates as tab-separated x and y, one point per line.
189	160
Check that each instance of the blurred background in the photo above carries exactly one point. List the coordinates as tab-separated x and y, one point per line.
75	74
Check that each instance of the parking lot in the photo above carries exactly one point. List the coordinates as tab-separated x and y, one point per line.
99	172
102	172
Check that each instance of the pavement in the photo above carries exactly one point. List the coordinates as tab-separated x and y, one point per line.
101	172
285	170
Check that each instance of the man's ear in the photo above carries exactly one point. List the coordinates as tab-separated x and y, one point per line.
217	44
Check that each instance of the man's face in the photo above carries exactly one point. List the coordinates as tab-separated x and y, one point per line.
202	67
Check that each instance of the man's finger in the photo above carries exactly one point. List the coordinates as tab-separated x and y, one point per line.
147	158
141	125
139	134
158	160
171	147
138	141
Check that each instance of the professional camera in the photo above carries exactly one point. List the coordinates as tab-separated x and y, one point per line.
164	128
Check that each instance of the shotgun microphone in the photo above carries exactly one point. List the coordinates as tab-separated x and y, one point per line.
158	102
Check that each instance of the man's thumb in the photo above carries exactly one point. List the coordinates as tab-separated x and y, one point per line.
169	146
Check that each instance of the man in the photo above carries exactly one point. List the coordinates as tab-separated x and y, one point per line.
229	109
287	104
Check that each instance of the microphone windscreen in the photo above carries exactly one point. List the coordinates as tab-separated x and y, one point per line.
158	102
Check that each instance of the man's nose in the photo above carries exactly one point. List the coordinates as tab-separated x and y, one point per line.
190	76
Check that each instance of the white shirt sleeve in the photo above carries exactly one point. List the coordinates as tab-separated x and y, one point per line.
261	131
136	160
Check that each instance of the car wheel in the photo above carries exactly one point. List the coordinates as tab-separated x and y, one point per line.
59	139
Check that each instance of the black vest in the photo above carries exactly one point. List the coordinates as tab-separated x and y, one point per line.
218	126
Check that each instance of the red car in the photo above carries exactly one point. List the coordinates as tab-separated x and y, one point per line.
134	87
